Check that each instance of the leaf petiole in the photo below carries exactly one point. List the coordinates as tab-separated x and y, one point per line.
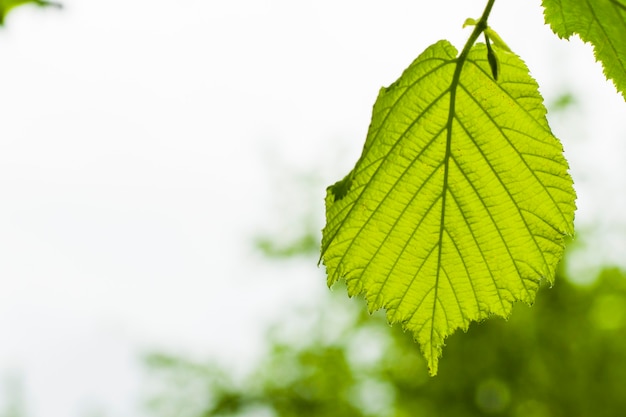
479	27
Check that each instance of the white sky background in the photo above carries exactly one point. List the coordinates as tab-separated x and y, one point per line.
139	147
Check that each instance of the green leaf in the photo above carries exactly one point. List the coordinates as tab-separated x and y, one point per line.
470	22
601	23
7	5
459	203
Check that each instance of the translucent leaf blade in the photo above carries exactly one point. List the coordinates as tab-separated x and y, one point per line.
456	208
601	23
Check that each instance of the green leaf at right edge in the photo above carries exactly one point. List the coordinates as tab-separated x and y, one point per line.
599	22
459	203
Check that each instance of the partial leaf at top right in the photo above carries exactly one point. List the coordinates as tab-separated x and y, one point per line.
599	22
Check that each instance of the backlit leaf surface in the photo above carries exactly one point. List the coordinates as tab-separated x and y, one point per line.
599	22
460	201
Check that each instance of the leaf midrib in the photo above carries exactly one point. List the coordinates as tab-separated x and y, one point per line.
456	77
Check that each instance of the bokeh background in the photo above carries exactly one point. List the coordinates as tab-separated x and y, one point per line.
162	173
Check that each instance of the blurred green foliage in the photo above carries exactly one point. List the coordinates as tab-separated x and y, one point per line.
12	403
563	357
564	101
305	245
7	5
